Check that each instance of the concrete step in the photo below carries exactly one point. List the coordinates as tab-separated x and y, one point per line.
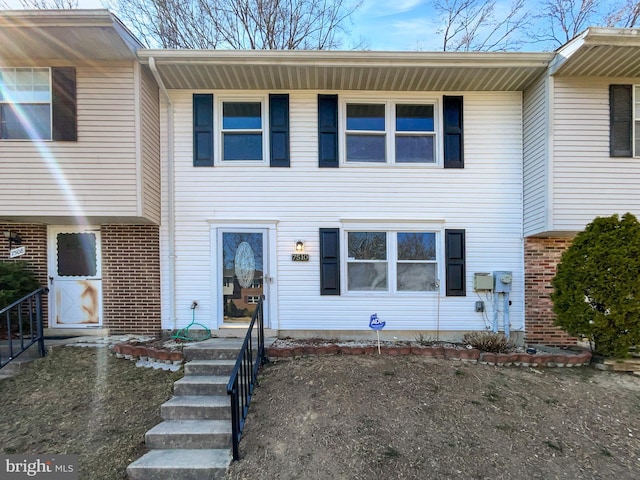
184	464
3	377
197	407
190	434
31	352
15	365
201	385
213	349
209	367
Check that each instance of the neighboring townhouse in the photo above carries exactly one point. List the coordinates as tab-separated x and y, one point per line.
80	169
342	185
581	156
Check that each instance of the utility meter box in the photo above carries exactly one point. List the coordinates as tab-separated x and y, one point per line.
502	282
482	281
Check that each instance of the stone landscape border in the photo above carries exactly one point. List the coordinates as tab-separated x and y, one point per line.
470	355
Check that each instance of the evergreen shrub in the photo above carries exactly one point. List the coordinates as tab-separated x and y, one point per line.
597	285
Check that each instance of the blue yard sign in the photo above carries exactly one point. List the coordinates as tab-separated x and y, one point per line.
375	323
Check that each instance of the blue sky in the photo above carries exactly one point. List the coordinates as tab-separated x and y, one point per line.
396	25
388	24
381	24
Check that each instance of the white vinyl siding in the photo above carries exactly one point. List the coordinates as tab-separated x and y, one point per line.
95	177
587	181
536	146
150	144
485	198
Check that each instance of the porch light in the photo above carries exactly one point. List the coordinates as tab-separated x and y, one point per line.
299	246
13	237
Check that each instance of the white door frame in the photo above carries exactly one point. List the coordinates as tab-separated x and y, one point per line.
54	280
268	229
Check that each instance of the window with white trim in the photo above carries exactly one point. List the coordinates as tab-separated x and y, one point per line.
242	130
391	261
636	120
402	132
25	103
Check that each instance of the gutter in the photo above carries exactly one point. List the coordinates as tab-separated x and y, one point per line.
170	195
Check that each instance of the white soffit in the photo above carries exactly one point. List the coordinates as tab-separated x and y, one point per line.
330	70
600	52
66	35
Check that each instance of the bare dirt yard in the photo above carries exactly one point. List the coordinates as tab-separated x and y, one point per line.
410	417
83	401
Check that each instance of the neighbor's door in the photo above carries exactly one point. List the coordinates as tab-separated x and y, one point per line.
242	273
75	277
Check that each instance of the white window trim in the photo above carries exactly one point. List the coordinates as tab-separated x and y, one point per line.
392	255
635	116
390	130
219	131
50	103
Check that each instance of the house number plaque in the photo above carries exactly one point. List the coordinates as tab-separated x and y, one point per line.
300	257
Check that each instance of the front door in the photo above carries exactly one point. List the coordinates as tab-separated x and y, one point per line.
242	273
75	277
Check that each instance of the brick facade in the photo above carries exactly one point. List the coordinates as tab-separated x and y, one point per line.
130	272
34	239
131	278
540	259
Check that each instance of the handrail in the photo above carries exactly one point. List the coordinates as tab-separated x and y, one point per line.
244	376
27	309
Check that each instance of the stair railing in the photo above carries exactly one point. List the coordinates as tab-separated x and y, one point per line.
245	373
21	323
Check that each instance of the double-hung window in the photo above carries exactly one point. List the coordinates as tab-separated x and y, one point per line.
390	132
242	131
391	261
25	103
636	120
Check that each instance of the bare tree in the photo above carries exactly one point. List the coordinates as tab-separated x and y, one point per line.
626	15
561	20
238	24
45	4
475	25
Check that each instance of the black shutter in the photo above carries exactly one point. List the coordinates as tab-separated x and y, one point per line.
621	120
453	132
63	104
279	130
328	131
454	263
202	130
329	261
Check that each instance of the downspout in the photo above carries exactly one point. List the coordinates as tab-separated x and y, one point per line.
170	194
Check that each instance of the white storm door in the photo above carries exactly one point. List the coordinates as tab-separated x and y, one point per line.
242	273
75	277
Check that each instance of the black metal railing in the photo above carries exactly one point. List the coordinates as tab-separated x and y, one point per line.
245	373
21	324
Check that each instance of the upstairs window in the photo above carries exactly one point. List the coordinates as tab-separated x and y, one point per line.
25	104
390	132
242	131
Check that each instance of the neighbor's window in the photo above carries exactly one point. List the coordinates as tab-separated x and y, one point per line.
636	120
414	268
25	103
242	130
390	132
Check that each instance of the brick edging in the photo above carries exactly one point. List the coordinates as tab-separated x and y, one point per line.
515	359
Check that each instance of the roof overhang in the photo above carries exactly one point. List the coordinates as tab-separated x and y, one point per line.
65	35
346	70
600	52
